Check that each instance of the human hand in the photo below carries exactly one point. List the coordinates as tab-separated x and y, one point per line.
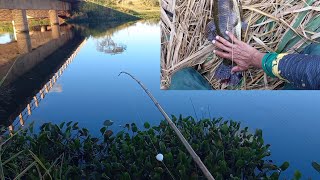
241	53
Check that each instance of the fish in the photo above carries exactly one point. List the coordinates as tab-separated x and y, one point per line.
227	16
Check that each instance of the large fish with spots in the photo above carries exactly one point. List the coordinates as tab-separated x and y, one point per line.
226	17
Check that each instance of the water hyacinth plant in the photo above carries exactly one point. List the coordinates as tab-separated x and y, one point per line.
66	151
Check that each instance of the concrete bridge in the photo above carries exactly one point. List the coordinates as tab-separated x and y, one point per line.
36	4
6	14
18	11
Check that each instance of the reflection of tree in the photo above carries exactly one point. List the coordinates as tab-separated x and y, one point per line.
151	21
108	46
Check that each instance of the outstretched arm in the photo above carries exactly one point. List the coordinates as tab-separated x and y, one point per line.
300	70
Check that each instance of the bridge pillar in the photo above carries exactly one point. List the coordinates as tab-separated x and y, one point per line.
24	42
54	22
21	31
43	28
20	20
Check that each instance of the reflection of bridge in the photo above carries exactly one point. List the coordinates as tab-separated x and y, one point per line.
33	102
16	58
31	65
34	75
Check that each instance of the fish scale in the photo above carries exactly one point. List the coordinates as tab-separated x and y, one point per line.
226	17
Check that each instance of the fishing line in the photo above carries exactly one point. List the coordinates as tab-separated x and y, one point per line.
209	112
141	123
5	77
23	47
194	110
186	144
8	72
232	50
231	40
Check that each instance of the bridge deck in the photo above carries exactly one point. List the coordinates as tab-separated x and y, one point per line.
36	4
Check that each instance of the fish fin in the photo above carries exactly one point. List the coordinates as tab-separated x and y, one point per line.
210	31
235	79
223	72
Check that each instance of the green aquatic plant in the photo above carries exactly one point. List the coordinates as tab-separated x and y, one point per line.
67	151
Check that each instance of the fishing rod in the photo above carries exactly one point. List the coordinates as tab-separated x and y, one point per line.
194	155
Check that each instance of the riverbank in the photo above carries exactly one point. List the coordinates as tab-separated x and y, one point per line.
144	9
5	27
88	12
138	9
99	12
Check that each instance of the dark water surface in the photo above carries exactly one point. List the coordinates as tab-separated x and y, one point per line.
89	91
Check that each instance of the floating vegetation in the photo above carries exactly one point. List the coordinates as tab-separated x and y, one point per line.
273	26
226	149
185	143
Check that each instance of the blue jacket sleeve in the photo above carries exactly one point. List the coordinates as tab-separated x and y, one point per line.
300	70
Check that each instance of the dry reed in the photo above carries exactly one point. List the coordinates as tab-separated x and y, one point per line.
273	26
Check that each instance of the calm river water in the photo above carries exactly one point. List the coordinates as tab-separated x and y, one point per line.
90	91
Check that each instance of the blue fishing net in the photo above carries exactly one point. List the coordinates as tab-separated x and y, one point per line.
189	79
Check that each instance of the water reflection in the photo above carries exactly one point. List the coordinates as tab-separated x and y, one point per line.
102	30
56	88
37	61
108	46
31	74
23	42
6	38
55	29
92	92
28	50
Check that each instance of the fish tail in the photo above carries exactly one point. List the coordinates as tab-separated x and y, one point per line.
235	79
223	73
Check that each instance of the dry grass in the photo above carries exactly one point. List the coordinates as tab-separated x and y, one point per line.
273	25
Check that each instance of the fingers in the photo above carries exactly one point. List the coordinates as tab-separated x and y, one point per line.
223	54
232	37
223	41
237	69
221	46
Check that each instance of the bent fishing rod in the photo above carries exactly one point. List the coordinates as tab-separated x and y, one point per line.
194	155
